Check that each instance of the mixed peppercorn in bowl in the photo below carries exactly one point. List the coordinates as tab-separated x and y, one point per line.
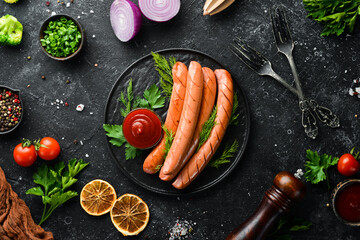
11	109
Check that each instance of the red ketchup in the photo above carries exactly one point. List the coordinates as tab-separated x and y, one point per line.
142	128
347	203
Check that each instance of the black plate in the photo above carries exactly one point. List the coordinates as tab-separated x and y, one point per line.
144	75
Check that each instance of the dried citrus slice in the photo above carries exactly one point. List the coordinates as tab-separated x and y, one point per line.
130	214
97	197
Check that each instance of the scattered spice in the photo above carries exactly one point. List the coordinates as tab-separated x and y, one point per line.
75	142
66	104
67	81
355	91
28	86
80	107
47	3
327	205
68	4
72	1
356	115
96	65
10	110
43	77
29	57
181	229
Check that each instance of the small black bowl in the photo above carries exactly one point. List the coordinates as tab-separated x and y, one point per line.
43	28
341	186
22	108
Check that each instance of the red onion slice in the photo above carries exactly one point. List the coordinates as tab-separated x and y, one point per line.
159	10
125	18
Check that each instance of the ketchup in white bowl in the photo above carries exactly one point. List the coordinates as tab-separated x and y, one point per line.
142	128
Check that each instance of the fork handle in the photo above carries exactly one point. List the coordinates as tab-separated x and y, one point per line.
308	119
324	114
296	75
277	77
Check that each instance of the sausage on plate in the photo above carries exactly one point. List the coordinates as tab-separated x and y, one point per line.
224	105
154	161
207	105
188	120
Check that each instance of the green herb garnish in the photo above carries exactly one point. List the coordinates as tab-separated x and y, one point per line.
127	101
115	133
54	183
153	97
206	128
61	37
169	137
229	152
336	15
234	116
316	168
287	225
164	68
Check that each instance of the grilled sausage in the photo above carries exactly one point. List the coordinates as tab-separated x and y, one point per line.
206	108
156	158
224	108
188	120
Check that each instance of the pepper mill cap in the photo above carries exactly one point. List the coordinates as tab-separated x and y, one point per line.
291	186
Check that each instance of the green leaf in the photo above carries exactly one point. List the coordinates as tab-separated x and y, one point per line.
169	138
44	177
115	132
35	191
234	115
316	167
66	182
60	198
75	166
127	102
164	68
206	128
131	152
154	98
287	225
228	153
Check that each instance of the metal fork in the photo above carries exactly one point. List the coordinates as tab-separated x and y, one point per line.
285	46
262	66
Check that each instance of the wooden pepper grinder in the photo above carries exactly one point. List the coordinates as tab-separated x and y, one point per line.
277	200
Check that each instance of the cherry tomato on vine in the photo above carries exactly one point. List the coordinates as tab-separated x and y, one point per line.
25	154
48	148
348	165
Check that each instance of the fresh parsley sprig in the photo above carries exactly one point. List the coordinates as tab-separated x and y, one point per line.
169	137
164	68
228	153
336	15
317	166
54	183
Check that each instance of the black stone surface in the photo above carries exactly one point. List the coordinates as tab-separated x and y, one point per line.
326	66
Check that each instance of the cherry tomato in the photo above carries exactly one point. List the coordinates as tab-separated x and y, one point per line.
24	156
49	149
348	165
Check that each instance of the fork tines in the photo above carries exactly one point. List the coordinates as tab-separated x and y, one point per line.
280	27
252	58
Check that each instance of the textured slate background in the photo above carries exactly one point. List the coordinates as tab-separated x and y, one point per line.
326	66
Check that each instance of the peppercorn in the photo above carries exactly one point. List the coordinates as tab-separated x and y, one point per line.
10	110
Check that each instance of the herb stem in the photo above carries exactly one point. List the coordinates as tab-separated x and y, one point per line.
43	214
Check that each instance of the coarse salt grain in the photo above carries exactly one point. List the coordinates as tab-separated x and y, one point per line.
81	143
93	36
351	92
181	230
87	155
299	173
53	13
91	113
91	11
78	16
357	89
80	107
68	4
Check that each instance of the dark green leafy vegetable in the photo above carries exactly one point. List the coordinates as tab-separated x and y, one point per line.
61	37
206	128
11	31
287	225
316	168
153	97
54	183
228	153
336	15
164	68
234	116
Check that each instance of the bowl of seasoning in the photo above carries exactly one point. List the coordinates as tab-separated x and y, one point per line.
346	202
142	128
11	110
61	37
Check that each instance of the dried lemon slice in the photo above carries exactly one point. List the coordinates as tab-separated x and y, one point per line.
97	197
130	214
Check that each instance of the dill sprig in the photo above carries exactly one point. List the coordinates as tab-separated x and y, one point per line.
206	128
234	116
229	152
164	68
128	100
169	137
